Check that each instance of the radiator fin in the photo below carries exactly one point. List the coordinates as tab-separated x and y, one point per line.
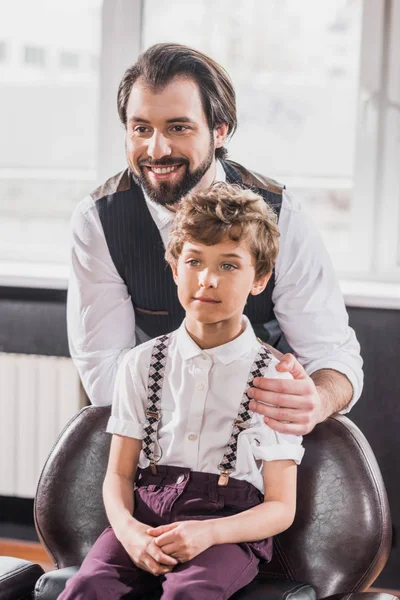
38	396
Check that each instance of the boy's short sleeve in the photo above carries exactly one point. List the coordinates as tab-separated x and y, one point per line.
268	444
128	414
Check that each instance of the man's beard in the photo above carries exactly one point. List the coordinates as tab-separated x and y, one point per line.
169	194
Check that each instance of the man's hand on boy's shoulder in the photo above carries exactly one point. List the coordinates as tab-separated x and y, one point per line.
295	406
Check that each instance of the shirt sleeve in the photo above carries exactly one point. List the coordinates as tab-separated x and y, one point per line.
100	315
128	412
267	444
308	302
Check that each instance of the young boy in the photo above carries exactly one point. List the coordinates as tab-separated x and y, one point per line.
213	482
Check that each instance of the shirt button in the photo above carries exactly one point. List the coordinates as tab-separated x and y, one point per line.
203	356
180	479
192	437
199	387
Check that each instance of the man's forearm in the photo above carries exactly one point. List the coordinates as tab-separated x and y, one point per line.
335	390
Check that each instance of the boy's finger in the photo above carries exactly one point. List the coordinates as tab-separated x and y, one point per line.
154	567
161	556
170	549
156	531
165	538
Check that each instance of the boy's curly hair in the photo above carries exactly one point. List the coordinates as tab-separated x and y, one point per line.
208	216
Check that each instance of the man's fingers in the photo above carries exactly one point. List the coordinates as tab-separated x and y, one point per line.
292	387
288	428
289	364
278	413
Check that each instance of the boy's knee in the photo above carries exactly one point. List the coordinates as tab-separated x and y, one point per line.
82	587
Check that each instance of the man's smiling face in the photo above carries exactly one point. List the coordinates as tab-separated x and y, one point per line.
169	146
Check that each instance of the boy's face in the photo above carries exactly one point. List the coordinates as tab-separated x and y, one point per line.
215	281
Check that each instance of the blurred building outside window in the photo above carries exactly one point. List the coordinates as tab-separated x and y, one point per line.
35	56
69	60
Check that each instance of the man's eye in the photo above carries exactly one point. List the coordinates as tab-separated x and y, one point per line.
228	267
179	128
140	129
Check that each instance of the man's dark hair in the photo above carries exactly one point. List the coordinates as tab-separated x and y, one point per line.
158	65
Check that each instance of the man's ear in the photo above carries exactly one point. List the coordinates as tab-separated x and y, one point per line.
220	134
260	285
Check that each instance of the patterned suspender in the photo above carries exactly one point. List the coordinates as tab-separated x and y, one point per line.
154	391
153	412
228	463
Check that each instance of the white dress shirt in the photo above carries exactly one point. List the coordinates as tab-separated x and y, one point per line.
201	395
307	300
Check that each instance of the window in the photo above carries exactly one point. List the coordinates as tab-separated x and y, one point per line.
295	67
34	56
48	120
318	89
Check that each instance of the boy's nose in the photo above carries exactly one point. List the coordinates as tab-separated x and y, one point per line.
158	146
208	279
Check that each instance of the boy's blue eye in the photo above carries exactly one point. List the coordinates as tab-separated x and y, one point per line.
228	267
193	263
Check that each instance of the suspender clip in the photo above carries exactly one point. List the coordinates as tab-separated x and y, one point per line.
223	479
152	414
241	423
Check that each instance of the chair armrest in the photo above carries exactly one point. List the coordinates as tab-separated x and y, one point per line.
51	584
17	577
268	589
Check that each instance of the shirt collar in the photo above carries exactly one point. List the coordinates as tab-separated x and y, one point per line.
224	354
163	214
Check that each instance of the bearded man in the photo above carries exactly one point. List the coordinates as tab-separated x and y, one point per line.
178	108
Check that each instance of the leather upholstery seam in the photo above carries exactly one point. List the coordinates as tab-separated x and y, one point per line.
298	587
9	576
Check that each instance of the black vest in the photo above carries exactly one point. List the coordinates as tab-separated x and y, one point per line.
137	251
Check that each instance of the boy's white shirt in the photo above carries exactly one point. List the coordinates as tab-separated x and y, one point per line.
201	395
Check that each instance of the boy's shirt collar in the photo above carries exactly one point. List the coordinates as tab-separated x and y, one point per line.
163	214
224	354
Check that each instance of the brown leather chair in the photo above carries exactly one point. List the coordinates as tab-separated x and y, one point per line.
338	544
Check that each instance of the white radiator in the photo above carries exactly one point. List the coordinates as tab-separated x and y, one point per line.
38	396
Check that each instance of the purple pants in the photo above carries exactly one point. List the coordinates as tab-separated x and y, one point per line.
175	494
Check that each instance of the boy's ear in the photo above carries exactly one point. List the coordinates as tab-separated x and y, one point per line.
174	271
260	285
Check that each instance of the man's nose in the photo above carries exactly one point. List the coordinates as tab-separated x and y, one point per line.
208	278
158	146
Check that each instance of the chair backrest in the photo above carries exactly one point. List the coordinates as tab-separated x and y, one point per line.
339	542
